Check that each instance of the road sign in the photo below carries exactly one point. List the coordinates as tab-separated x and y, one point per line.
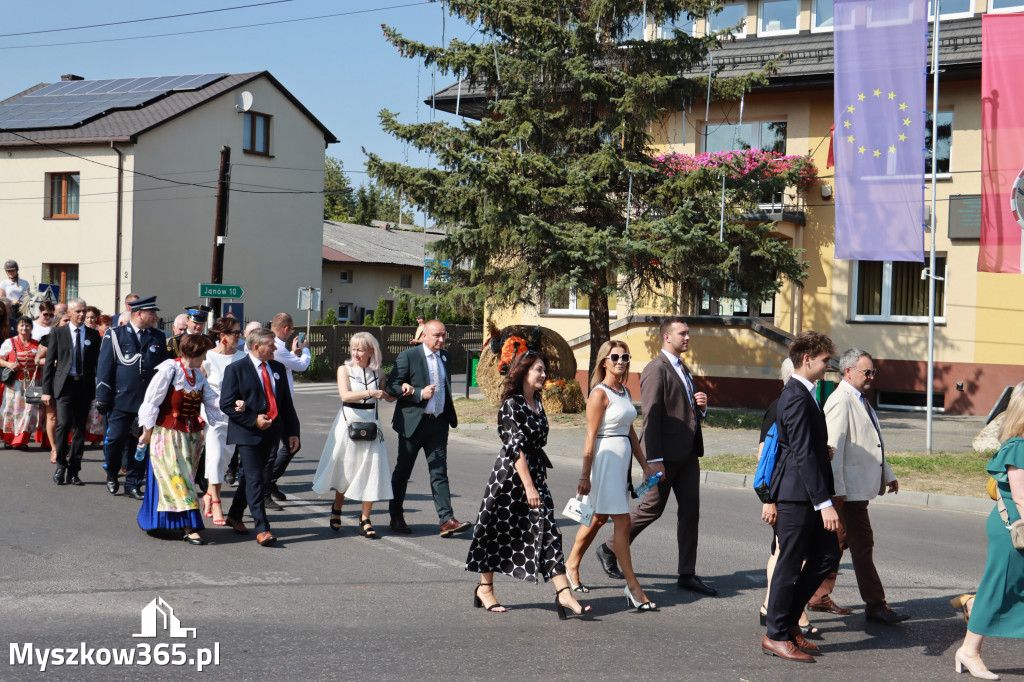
309	298
428	266
221	291
236	309
50	292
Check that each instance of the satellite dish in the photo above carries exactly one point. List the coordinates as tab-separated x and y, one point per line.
244	102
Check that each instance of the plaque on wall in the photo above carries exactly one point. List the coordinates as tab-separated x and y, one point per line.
965	216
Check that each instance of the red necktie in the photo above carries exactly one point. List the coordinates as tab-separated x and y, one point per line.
269	390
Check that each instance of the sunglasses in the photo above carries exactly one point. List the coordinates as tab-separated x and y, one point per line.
869	373
234	333
530	354
615	357
46	315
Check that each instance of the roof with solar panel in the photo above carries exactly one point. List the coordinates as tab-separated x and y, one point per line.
81	111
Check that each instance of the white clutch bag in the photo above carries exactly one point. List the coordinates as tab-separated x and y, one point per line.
578	510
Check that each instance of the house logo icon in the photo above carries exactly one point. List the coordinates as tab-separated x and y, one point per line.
158	615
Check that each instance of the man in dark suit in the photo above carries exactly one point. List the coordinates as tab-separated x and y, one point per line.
673	442
267	417
129	355
69	376
802	487
422	381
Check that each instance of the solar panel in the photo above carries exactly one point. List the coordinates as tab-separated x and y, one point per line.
69	103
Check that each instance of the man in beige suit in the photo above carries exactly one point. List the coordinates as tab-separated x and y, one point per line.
861	473
673	442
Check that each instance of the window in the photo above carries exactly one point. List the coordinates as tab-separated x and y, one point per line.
953	9
767	135
996	6
64	275
405	281
821	16
569	303
256	133
943	148
683	23
888	291
62	195
779	17
345	276
344	312
730	15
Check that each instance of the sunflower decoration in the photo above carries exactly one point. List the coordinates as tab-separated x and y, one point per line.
178	486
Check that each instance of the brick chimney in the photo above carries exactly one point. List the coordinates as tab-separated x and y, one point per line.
71	77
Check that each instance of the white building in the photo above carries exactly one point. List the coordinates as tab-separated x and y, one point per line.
109	187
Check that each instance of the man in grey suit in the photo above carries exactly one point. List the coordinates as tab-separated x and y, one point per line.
422	381
673	442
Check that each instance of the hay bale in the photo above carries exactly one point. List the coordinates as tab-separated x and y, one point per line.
561	361
567	400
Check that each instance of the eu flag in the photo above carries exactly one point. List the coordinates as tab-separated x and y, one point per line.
881	49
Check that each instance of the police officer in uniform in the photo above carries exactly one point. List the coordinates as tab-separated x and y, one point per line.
129	355
197	317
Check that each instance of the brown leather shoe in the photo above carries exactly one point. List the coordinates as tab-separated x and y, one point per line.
452	526
237	526
796	636
266	538
786	650
828	606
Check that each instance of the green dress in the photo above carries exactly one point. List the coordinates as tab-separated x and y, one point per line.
999	604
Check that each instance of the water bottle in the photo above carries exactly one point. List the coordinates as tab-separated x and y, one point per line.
140	452
651	481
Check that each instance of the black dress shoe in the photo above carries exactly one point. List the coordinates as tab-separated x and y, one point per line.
73	479
269	503
197	540
113	487
608	563
231	477
399	525
58	476
278	495
695	584
133	493
887	616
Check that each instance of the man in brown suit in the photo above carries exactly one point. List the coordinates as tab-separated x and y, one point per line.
672	441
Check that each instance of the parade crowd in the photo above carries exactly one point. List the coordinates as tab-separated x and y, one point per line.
180	417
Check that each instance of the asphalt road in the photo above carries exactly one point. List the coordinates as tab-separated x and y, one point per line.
75	568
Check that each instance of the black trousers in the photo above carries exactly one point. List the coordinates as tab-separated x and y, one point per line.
251	481
683	480
801	534
431	436
277	462
72	415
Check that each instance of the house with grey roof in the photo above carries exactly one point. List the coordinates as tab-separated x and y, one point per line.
111	186
362	264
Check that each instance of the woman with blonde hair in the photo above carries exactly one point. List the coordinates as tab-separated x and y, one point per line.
998	609
355	460
611	441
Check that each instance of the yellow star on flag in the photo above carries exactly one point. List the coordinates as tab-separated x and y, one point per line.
860	97
892	95
846	124
876	153
892	149
903	137
850	139
850	108
903	106
860	150
906	121
876	92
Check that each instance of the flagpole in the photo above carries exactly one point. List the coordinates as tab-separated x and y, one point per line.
931	262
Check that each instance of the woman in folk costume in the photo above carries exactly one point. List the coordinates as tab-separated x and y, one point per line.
169	417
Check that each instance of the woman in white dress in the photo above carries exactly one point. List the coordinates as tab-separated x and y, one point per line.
226	330
357	469
611	440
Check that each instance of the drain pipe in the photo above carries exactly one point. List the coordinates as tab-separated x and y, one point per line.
117	246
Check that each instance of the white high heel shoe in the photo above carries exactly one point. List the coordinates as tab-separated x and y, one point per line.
639	606
962	661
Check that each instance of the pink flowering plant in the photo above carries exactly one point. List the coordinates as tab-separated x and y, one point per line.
755	165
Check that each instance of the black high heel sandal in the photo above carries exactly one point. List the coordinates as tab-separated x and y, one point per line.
366	529
562	607
478	603
335	522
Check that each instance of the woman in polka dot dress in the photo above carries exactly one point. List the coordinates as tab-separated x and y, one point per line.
515	531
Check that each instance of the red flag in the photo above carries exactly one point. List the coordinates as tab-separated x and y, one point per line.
831	138
1002	143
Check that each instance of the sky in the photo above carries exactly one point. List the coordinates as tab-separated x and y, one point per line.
341	68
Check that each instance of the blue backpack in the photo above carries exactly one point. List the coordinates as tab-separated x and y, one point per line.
766	465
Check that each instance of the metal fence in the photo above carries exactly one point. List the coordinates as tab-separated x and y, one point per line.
332	342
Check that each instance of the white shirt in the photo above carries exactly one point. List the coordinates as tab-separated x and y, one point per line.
39	331
290	360
258	364
810	386
13	290
435	366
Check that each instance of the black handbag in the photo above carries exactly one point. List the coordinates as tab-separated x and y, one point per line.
8	376
363	430
33	394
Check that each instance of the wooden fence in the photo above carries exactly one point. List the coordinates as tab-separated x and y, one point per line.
332	341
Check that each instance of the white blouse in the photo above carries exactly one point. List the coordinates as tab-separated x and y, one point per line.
169	373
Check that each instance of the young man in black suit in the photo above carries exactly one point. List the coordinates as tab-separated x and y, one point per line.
267	416
802	487
69	377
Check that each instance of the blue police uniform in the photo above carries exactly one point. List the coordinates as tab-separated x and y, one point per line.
126	366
